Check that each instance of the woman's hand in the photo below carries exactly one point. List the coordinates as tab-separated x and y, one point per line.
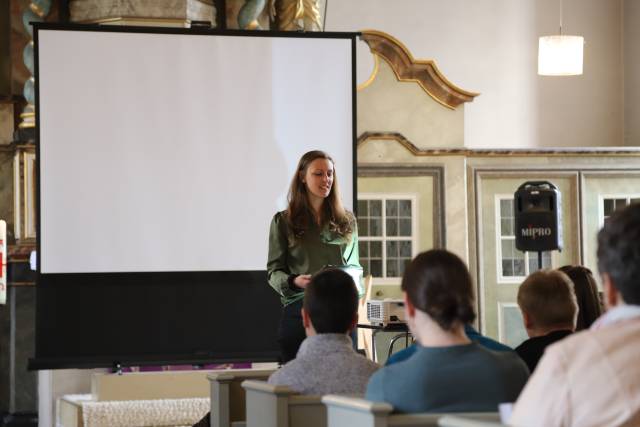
302	280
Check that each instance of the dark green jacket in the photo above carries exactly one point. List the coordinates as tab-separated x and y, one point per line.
317	249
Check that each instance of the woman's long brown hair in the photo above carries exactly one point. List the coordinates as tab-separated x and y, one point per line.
300	215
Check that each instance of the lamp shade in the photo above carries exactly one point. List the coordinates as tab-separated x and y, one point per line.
560	55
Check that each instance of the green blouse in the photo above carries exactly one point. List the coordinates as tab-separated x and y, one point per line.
317	249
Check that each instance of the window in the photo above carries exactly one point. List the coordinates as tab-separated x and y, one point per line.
611	203
513	265
386	229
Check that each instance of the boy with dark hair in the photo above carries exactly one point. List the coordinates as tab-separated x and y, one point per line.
326	362
549	311
592	378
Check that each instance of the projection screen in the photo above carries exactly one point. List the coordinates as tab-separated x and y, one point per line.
166	153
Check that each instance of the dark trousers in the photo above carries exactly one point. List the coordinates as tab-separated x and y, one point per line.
291	332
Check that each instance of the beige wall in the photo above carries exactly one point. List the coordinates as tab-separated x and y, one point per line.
387	104
632	72
490	46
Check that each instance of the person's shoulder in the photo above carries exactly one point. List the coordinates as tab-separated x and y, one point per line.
365	364
524	345
504	360
279	216
288	373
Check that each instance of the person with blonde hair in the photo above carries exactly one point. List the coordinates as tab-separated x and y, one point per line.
313	232
549	312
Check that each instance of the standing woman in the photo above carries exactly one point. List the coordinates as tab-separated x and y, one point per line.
314	231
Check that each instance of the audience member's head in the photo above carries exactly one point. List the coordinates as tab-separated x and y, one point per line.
438	284
330	303
584	285
619	256
548	302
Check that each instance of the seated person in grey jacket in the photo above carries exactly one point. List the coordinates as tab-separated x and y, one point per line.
448	372
326	361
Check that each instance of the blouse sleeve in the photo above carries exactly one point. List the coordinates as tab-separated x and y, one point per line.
277	268
352	256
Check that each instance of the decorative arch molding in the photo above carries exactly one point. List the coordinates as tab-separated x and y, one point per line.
398	138
421	71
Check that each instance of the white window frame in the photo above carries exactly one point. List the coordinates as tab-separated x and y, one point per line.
500	278
602	197
414	229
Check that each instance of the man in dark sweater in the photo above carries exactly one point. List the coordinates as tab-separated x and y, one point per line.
549	311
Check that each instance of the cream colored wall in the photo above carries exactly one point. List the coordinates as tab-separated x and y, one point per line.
631	72
384	151
495	183
419	186
388	105
595	185
490	47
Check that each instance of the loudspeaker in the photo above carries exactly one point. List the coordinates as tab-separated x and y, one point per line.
538	217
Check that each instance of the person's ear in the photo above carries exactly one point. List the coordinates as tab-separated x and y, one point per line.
354	322
409	308
612	296
526	319
306	320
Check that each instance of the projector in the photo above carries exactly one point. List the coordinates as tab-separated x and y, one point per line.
385	312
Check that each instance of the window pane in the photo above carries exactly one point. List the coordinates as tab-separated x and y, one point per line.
392	268
375	249
507	267
363	227
506	227
405	227
516	253
404	208
519	268
363	208
375	225
506	208
546	259
392	249
405	248
392	226
363	248
375	207
392	207
376	267
533	263
403	265
634	201
508	247
366	270
608	207
621	203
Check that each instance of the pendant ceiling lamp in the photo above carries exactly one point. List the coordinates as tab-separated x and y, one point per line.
560	55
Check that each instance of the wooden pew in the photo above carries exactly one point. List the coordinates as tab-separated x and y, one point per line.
228	397
279	406
345	411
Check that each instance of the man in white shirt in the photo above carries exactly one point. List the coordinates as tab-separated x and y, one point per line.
593	377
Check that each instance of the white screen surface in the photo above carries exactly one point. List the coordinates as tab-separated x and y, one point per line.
172	152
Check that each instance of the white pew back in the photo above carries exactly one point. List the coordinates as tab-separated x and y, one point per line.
279	406
345	411
227	395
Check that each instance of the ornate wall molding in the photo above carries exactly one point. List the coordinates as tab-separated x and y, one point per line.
421	71
495	152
